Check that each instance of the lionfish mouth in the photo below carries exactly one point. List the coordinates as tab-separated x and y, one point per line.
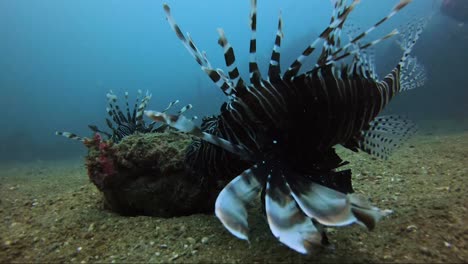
302	116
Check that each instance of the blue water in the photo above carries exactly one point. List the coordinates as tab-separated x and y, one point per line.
59	58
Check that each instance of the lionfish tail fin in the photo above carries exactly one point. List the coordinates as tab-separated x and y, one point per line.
71	136
413	75
385	134
409	36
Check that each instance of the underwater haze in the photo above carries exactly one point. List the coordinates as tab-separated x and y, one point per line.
60	58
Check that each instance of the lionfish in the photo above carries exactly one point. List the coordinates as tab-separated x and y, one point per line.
287	126
125	124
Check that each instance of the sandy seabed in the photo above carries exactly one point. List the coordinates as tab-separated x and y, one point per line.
50	212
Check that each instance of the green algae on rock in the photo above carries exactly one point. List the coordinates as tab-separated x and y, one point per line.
145	174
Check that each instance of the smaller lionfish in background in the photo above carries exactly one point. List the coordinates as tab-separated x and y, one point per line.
128	123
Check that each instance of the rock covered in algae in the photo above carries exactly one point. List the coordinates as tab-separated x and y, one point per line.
145	174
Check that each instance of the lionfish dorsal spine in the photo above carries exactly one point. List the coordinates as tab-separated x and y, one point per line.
135	107
274	70
115	107
297	64
254	71
200	58
230	59
139	115
363	34
127	106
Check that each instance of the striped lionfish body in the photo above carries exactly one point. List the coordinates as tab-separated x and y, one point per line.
286	126
122	123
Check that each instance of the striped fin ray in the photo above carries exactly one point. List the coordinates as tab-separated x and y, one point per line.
171	104
112	98
253	66
408	70
297	64
367	58
413	74
141	108
95	129
71	136
111	126
112	110
274	71
358	49
186	125
231	203
230	59
219	79
286	220
355	40
135	107
408	38
184	109
129	118
333	41
189	45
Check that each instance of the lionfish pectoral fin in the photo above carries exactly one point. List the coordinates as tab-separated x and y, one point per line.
325	205
179	122
232	201
71	136
286	220
183	124
365	213
332	208
385	134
